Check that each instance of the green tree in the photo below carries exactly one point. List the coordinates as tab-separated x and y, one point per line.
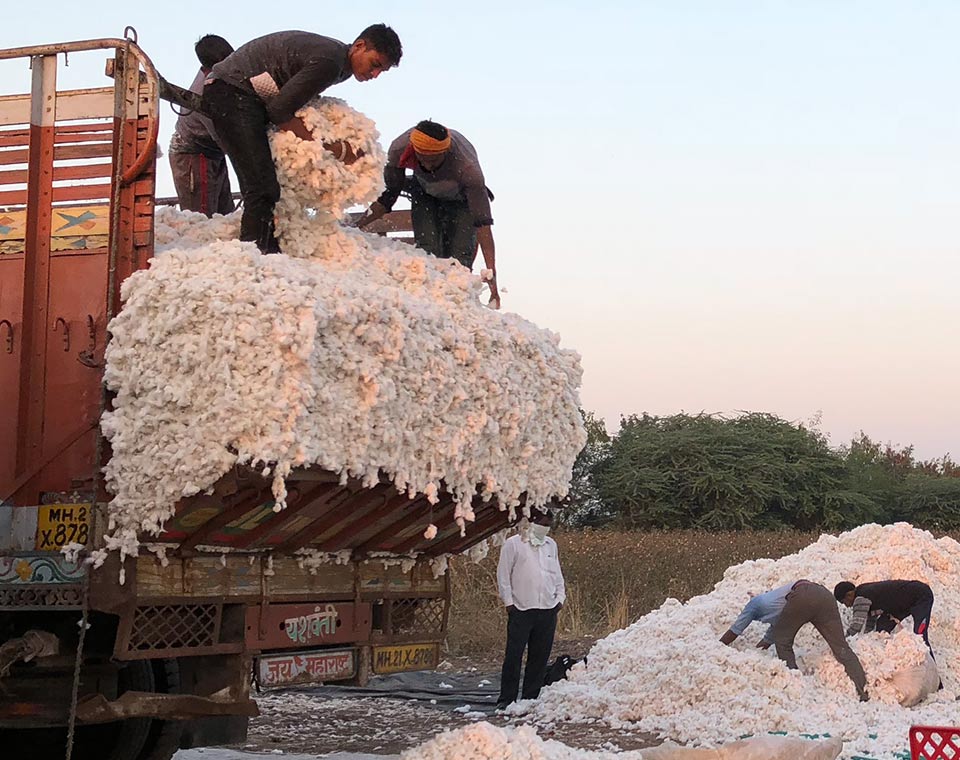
711	472
583	505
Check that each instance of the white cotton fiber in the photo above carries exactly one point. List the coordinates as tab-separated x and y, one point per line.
668	673
349	351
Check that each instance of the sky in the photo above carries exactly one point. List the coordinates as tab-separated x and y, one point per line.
723	205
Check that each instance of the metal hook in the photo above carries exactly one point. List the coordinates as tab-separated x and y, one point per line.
129	33
9	334
86	357
66	332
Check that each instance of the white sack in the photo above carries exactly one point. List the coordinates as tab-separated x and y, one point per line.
914	684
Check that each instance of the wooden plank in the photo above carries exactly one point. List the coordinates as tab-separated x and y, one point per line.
93	150
91	103
82	192
60	173
195	577
14	156
290	579
60	153
68	193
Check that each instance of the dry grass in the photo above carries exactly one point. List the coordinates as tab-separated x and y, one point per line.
612	579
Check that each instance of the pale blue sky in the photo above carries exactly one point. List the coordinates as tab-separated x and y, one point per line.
722	205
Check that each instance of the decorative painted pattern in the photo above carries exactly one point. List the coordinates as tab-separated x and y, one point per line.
47	569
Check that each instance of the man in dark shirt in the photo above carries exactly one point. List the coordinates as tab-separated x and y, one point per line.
266	82
882	605
197	161
449	202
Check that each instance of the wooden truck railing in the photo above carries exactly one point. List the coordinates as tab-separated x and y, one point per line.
164	658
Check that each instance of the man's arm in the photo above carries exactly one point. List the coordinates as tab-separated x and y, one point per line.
562	586
504	566
861	612
485	239
746	616
393	177
316	76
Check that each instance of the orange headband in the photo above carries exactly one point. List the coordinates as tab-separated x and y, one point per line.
429	146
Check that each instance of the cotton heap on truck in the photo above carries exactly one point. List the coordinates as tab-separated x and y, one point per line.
265	467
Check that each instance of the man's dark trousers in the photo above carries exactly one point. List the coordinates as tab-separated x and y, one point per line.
442	228
241	122
532	630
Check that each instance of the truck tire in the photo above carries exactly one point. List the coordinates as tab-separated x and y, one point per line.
125	739
163	741
120	740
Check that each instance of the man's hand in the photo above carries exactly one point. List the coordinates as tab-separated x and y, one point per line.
494	302
375	211
342	150
763	644
298	128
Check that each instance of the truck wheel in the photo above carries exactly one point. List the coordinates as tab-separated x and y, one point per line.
124	739
163	740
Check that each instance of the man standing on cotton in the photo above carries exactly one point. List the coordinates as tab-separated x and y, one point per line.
532	589
197	161
449	200
263	84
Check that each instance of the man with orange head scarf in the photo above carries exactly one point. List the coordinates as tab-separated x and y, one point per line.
449	201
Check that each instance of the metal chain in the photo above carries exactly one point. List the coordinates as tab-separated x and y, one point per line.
84	615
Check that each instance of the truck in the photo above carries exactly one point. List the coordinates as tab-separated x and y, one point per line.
224	600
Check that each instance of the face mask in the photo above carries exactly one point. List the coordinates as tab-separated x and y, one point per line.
538	534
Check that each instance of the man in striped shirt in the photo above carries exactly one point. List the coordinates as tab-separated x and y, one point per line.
882	605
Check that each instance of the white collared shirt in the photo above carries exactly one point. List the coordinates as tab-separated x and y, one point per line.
528	576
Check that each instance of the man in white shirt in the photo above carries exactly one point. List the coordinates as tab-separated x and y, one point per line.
531	586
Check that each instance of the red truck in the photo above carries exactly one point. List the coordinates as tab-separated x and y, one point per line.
166	659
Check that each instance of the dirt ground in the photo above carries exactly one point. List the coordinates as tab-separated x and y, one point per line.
323	720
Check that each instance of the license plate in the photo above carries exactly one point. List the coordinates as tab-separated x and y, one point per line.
62	524
305	667
405	657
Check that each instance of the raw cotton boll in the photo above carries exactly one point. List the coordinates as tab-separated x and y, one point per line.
431	532
668	674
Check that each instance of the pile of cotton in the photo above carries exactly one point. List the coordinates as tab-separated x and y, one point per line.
483	741
350	351
667	673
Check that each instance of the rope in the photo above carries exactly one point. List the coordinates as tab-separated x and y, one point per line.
85	613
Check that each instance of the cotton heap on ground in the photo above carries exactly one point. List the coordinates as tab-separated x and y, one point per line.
667	673
350	351
483	741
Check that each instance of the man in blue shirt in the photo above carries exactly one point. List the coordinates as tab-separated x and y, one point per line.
763	608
